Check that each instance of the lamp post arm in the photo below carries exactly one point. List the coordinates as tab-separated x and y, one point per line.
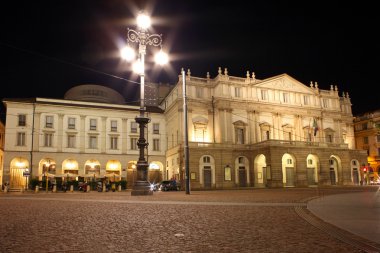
144	38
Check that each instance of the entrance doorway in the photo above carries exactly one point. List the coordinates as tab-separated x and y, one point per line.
17	180
289	176
355	176
310	176
332	176
207	177
242	177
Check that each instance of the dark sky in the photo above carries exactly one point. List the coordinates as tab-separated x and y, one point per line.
50	46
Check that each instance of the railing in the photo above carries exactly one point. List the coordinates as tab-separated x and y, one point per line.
237	79
266	144
198	79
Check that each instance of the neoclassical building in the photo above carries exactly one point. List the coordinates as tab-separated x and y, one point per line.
274	132
242	132
367	135
89	133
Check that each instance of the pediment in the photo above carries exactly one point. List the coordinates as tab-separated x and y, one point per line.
287	126
285	82
329	129
239	123
200	120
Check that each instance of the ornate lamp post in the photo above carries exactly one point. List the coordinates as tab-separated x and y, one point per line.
143	38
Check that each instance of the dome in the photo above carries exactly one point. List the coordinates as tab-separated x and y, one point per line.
94	93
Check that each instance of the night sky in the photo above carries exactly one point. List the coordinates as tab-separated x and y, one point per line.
50	46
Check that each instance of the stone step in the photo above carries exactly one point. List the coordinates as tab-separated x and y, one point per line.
15	190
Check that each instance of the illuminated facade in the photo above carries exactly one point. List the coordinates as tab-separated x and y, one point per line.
367	136
275	132
90	133
243	132
2	139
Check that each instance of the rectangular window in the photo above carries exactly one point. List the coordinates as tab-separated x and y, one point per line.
239	136
306	100
287	136
93	142
267	135
329	138
21	120
20	139
133	127
364	126
289	161
308	136
285	97
156	144
48	140
365	140
49	122
199	134
114	142
156	128
264	95
71	141
133	143
237	92
378	138
113	126
71	123
198	92
93	124
325	103
309	161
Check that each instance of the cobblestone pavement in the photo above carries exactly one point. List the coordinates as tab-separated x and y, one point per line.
252	220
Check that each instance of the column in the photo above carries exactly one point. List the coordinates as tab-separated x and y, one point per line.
251	127
228	123
82	134
190	126
124	135
36	132
257	126
103	134
60	133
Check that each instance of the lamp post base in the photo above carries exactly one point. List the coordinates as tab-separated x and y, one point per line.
141	188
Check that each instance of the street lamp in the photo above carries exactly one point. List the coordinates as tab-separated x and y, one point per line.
143	38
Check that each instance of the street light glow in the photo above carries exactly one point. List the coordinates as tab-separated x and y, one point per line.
127	53
161	58
138	67
143	21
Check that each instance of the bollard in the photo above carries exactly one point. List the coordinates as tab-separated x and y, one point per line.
88	188
6	188
54	188
104	187
119	188
71	188
36	189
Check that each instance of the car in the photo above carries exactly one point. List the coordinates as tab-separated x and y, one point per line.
169	185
